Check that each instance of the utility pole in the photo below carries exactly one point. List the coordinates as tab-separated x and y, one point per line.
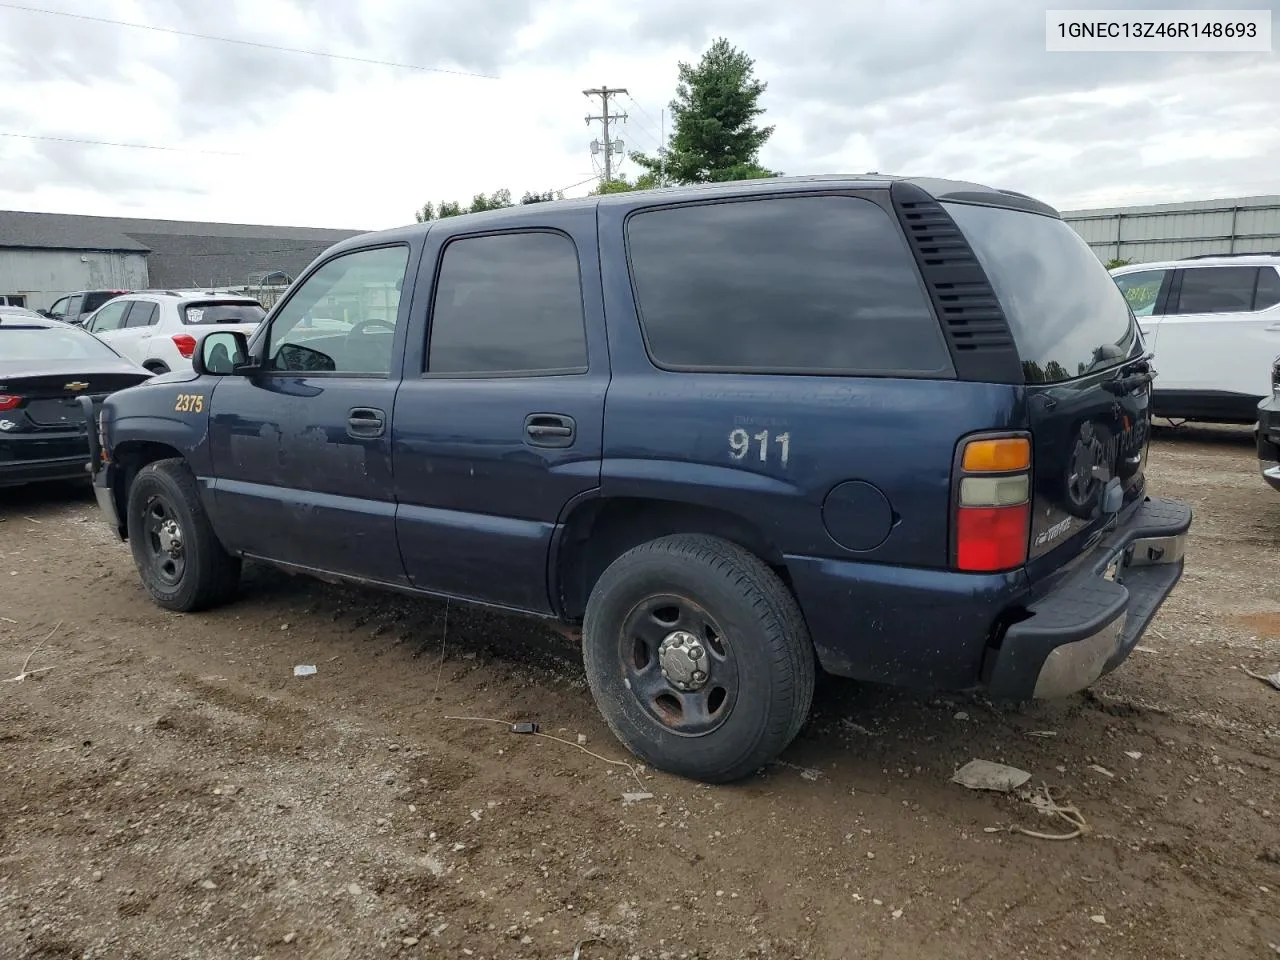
662	150
608	147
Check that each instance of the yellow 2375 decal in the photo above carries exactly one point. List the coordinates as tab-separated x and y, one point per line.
189	403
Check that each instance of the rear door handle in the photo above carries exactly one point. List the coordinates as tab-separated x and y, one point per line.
366	423
550	429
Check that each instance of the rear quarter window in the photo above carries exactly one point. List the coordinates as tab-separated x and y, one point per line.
1066	313
820	285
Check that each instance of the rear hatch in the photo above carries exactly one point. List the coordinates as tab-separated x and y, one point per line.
1088	381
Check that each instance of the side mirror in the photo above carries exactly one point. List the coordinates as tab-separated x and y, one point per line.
221	353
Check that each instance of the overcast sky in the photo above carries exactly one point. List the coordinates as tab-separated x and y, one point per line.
952	88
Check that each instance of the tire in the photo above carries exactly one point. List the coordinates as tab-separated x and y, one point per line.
194	572
157	367
702	597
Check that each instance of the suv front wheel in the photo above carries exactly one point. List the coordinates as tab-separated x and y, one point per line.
698	657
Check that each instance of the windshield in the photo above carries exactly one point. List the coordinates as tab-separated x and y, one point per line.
51	343
1067	316
206	313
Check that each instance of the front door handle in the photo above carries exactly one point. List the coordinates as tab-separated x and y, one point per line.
550	430
366	423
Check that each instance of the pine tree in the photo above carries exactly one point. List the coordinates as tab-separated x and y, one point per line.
714	137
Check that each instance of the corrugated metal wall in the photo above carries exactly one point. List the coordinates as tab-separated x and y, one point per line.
42	276
1171	231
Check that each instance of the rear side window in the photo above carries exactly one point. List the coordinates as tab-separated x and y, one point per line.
800	285
1067	316
141	314
1217	290
207	313
508	304
1268	294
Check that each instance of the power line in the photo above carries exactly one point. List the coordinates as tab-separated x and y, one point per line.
245	43
110	143
644	129
635	103
580	183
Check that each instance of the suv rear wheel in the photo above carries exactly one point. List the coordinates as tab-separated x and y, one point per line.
698	657
180	560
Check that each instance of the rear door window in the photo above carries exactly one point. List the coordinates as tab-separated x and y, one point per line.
508	304
1217	290
141	314
1067	316
799	285
1142	290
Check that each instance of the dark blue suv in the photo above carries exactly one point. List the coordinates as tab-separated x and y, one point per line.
895	428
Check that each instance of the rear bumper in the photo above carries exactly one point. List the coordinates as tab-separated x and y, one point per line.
1089	624
1266	435
37	459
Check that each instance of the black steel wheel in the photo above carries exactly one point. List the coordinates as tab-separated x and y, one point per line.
678	663
180	560
698	657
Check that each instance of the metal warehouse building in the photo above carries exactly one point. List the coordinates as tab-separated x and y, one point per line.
44	256
1171	231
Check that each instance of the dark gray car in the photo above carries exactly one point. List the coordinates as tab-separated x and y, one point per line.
74	307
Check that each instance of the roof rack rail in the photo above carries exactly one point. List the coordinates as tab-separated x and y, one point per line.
1243	253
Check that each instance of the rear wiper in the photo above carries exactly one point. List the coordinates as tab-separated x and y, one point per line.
1139	373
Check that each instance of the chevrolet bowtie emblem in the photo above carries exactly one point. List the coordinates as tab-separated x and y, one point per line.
76	385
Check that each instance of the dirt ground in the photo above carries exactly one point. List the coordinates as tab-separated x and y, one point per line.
171	790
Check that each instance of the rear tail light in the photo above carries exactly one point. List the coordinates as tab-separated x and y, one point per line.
8	401
993	504
185	343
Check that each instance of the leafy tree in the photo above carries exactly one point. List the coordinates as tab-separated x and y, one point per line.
714	136
620	184
452	208
1117	262
543	197
497	201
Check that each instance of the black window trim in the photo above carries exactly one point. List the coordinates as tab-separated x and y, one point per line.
872	196
268	322
479	375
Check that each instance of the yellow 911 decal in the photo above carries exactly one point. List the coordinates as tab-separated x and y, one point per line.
189	403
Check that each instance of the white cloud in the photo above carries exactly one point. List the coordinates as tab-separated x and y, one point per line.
958	90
